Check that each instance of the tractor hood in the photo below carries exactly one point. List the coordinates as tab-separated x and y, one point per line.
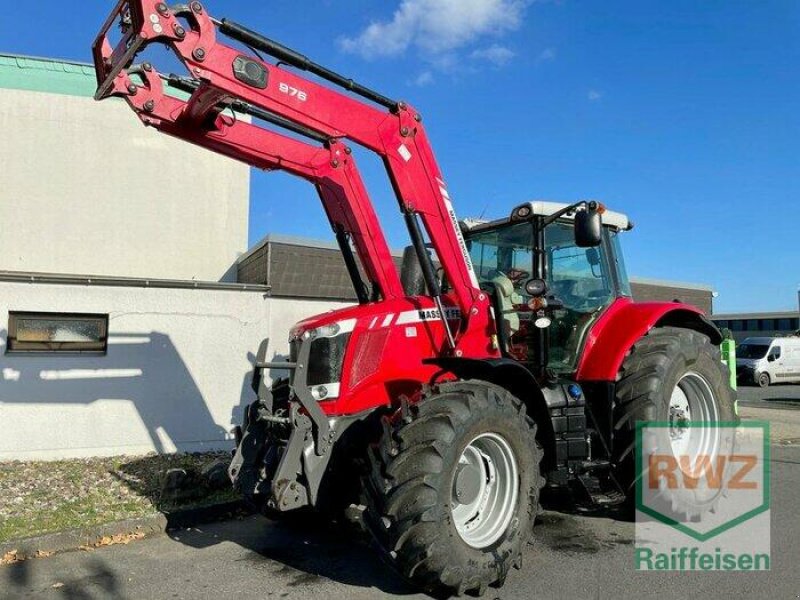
387	313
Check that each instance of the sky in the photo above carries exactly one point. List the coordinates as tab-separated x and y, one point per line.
684	115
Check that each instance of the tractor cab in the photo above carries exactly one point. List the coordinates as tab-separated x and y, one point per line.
550	281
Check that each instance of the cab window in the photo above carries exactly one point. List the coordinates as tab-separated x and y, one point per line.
505	250
581	279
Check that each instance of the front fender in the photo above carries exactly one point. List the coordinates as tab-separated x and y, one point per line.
625	322
518	380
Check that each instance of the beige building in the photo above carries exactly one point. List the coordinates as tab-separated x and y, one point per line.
123	329
87	189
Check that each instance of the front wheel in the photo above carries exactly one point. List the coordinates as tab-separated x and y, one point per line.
454	488
763	380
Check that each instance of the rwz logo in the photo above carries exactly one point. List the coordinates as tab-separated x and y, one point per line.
715	470
293	92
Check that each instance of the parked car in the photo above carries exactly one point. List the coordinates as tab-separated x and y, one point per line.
766	360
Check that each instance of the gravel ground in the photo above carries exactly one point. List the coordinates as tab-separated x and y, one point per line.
43	497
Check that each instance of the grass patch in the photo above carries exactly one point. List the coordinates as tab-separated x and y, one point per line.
45	497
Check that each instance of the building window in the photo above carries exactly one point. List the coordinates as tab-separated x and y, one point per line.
56	332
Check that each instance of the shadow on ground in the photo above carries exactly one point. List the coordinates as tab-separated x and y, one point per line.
302	550
97	580
146	476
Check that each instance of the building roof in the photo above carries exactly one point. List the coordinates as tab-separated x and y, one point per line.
305	242
46	75
703	287
53	76
786	314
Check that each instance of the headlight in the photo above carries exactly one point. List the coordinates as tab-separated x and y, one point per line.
326	357
326	331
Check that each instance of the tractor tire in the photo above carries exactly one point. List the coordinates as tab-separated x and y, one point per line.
452	488
672	375
763	380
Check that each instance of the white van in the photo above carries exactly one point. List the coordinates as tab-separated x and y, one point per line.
766	360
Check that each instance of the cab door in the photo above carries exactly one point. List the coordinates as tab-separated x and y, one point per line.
775	362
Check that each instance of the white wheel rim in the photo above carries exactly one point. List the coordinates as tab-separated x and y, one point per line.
692	403
485	489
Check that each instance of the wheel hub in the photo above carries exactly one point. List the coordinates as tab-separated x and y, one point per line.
485	490
468	483
692	411
678	422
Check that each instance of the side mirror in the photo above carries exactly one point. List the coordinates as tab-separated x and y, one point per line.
771	358
536	287
588	227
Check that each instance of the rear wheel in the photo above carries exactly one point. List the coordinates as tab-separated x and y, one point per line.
763	380
673	376
454	486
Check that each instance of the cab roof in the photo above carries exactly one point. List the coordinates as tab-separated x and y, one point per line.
544	208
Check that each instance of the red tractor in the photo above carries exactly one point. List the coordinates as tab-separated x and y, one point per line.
503	357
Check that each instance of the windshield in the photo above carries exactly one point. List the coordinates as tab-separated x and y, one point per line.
506	250
581	279
752	351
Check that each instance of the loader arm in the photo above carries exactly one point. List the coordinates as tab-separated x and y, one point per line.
331	168
392	129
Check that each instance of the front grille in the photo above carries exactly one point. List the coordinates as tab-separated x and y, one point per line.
326	359
368	355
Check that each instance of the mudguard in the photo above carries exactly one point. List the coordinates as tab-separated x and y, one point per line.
518	380
623	323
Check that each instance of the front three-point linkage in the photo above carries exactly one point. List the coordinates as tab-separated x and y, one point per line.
225	74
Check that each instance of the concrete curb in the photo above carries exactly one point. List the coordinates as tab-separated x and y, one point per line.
74	539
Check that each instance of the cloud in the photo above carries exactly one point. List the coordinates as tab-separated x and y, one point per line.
546	55
594	95
436	27
423	79
495	54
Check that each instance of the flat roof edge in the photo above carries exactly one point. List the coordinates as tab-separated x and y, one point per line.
780	314
668	283
63	61
110	281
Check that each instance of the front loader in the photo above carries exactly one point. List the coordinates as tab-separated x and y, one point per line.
505	356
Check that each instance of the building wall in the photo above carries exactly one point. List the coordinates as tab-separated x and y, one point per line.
648	291
771	324
176	375
87	189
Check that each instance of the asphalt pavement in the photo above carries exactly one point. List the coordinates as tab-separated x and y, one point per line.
574	555
782	396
